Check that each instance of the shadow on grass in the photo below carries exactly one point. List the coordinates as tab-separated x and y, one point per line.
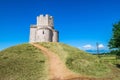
118	65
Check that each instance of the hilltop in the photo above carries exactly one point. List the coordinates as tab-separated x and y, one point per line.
26	62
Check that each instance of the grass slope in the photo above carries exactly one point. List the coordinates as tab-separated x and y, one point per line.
80	61
25	62
22	62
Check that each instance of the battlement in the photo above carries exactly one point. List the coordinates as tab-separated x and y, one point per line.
44	31
45	20
47	15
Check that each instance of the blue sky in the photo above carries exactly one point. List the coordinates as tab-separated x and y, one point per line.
81	23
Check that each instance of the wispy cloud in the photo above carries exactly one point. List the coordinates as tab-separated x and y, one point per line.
92	47
88	46
101	46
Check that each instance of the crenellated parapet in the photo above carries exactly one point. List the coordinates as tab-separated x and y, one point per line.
44	30
45	20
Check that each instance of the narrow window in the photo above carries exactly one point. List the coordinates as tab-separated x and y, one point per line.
43	32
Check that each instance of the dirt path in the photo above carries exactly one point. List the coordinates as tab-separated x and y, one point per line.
57	69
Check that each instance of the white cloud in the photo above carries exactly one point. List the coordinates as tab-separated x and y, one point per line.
101	46
88	46
91	47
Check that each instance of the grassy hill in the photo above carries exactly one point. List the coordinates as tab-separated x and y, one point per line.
22	62
25	62
77	60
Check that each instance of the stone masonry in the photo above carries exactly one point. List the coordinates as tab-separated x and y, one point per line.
44	30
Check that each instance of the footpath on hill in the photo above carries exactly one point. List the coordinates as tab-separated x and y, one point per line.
57	69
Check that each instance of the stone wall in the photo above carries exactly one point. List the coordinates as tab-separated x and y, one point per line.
45	20
43	31
33	34
44	35
55	36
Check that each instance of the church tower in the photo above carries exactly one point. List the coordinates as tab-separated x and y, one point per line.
43	31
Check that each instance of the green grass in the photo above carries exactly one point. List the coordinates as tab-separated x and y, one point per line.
22	62
110	59
25	62
79	61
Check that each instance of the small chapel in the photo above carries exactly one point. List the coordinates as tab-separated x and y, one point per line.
44	30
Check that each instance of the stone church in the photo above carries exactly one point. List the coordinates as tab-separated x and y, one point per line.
44	30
